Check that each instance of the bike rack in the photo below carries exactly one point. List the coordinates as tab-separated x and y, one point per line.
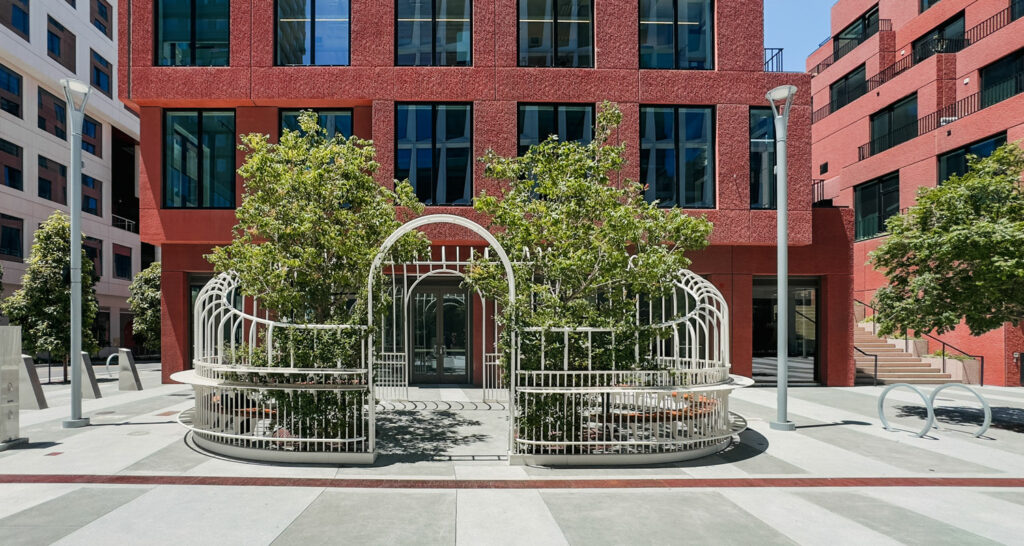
929	404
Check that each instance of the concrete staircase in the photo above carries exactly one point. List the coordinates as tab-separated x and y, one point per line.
894	365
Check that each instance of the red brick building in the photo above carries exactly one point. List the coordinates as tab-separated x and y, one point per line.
903	90
689	76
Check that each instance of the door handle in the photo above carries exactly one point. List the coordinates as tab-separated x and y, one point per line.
444	351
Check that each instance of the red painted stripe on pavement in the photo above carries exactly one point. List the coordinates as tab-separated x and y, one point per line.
508	484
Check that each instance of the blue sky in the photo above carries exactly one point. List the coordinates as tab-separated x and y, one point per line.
797	26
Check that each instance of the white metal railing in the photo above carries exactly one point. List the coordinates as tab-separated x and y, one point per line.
121	222
390	379
495	379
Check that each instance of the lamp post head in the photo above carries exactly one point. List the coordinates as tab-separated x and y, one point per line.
783	94
77	93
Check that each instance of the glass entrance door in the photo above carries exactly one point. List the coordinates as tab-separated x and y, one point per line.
440	334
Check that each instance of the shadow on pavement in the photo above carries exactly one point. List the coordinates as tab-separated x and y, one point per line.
842	423
1004	418
411	436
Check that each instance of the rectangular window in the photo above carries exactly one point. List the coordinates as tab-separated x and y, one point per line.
848	89
192	32
1002	79
53	115
99	13
92	136
99	73
14	15
199	159
874	203
53	181
927	4
11	161
556	33
434	147
313	32
92	195
954	163
60	44
569	122
677	162
677	34
855	34
337	122
122	262
434	33
11	238
762	159
894	125
945	38
94	249
10	91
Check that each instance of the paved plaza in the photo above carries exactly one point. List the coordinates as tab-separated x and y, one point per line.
135	477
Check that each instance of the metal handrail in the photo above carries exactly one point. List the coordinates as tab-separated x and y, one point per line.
773	59
861	351
945	345
121	222
884	25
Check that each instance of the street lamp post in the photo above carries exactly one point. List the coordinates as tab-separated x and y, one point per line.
781	99
77	94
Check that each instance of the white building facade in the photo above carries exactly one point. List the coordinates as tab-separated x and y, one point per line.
41	42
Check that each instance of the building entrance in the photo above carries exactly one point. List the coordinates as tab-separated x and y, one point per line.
440	335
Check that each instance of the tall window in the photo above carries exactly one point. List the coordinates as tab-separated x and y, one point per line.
192	32
945	38
556	33
434	33
434	151
762	159
894	125
92	195
10	91
1002	79
336	122
94	250
53	181
569	122
954	163
11	238
11	161
60	44
677	34
677	160
927	4
848	88
122	262
874	203
313	32
855	34
99	73
99	13
199	159
92	136
14	15
53	115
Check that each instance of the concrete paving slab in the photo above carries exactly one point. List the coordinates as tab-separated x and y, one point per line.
983	515
16	497
498	518
47	522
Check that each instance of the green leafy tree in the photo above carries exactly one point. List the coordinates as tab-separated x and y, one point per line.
311	222
145	305
958	254
42	306
595	242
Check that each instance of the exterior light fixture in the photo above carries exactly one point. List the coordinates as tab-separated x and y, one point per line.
781	100
77	94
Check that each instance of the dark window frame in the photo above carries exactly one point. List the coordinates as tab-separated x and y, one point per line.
20	13
864	19
433	40
60	170
281	112
895	135
773	183
312	37
6	223
556	106
60	126
193	37
849	90
712	146
67	44
554	39
98	64
879	186
95	244
434	165
9	98
103	24
121	251
94	142
16	163
199	161
675	41
1004	89
936	41
965	150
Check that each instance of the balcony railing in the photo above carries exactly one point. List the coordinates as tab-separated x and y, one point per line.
773	59
840	100
973	35
962	108
124	223
818	194
884	25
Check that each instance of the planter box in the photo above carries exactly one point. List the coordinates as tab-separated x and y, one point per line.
967	371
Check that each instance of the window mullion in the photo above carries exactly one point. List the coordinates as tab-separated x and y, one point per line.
312	32
554	34
435	168
433	33
680	177
195	32
200	158
675	34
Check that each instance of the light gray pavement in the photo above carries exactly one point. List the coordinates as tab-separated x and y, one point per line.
448	434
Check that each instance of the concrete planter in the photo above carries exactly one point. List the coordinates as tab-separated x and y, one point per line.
968	371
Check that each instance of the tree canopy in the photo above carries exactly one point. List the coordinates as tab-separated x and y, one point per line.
145	305
42	306
310	223
594	241
958	254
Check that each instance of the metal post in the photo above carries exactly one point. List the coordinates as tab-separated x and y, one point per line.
783	94
76	113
